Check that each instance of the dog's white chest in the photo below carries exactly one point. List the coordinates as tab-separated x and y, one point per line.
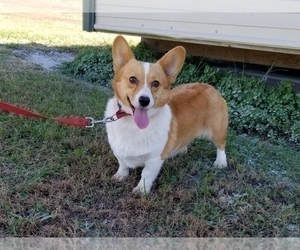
133	145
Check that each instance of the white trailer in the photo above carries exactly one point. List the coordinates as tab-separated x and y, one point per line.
251	31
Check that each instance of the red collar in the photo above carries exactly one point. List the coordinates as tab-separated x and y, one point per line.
120	113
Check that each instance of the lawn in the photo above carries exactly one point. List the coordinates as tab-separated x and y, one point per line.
55	180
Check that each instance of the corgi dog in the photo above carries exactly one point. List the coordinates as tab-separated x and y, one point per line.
160	121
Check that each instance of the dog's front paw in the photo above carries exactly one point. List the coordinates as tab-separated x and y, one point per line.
119	177
142	189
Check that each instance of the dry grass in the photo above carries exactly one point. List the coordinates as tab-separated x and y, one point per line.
55	180
50	23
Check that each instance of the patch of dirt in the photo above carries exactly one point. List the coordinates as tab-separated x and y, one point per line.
49	60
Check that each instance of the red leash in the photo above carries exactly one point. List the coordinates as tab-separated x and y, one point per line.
73	121
87	122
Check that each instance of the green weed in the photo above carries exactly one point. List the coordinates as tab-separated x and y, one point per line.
254	107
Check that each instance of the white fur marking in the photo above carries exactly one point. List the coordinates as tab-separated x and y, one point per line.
206	134
220	161
146	71
145	91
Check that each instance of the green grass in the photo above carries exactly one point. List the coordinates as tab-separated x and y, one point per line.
55	180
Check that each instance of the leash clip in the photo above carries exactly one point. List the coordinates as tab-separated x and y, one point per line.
111	118
92	122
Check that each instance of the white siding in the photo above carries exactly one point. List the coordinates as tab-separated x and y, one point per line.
186	22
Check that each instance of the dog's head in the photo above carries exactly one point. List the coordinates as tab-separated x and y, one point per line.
141	86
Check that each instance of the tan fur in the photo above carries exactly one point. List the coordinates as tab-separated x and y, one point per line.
197	109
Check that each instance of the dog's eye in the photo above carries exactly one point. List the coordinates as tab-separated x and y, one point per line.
155	84
133	80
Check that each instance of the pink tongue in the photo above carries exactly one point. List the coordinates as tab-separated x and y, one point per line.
141	118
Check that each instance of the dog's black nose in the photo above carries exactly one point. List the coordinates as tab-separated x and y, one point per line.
144	101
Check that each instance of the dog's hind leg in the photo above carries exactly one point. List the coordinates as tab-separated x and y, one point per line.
220	142
220	161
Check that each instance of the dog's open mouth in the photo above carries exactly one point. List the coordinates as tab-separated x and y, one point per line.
140	116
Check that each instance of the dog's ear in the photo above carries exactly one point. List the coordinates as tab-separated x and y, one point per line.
121	53
172	62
